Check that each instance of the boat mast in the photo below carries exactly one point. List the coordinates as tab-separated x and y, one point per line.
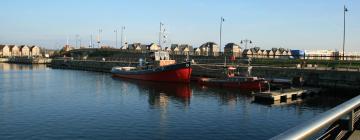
160	33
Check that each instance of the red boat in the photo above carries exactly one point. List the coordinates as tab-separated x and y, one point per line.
162	70
233	81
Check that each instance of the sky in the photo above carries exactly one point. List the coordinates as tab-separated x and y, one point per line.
293	24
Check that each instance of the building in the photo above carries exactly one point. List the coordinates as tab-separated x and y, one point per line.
270	53
168	49
35	51
210	49
134	47
262	54
247	53
197	51
154	47
175	49
186	49
125	46
24	50
15	50
255	52
5	51
67	48
232	49
322	54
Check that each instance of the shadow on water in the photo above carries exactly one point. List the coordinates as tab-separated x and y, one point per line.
160	92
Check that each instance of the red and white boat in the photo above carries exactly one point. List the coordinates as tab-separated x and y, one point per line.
162	70
233	80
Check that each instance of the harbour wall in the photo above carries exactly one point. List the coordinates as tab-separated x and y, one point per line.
28	60
328	78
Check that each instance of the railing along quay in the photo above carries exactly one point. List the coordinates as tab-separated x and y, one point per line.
329	118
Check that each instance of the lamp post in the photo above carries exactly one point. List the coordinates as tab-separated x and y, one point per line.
246	41
345	10
116	38
221	23
122	34
98	39
76	40
91	41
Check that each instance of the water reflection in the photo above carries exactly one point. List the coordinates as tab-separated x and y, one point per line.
11	67
224	96
160	93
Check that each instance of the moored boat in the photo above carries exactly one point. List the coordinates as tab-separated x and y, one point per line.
242	83
162	70
234	79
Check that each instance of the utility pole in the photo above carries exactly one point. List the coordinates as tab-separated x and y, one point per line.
345	10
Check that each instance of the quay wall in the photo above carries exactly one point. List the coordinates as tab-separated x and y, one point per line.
2	60
88	65
29	60
338	78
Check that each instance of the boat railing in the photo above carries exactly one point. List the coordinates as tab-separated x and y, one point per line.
316	125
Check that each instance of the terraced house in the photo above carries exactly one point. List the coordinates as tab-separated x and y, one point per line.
5	51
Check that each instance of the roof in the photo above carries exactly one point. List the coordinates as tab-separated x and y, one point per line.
184	46
208	44
2	46
23	46
144	47
230	45
173	46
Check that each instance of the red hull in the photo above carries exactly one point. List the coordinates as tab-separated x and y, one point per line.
178	75
249	85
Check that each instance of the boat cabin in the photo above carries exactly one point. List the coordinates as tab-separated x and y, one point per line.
231	71
161	58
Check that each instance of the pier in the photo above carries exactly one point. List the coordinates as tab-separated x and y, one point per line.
285	95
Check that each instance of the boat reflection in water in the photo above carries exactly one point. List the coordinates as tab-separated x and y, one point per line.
160	93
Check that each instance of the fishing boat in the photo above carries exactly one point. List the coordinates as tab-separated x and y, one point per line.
233	79
161	69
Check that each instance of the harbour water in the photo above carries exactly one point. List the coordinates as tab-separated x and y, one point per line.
37	102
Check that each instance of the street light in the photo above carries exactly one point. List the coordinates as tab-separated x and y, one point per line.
98	39
246	41
122	34
345	10
116	38
76	40
221	23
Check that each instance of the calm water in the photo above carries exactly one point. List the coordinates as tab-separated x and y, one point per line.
43	103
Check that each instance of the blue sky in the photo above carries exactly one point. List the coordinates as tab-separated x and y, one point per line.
295	24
